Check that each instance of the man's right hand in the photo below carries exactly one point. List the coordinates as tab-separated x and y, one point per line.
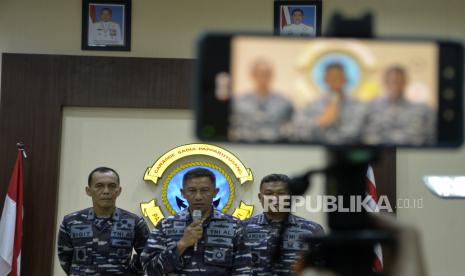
192	234
329	115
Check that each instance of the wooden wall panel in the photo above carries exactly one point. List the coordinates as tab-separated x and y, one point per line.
34	89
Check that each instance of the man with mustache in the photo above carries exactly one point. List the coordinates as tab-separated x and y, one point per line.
100	240
275	237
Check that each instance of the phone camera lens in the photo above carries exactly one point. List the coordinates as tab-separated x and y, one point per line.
209	131
448	72
448	115
449	94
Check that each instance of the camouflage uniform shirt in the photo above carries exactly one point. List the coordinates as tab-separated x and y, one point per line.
221	250
262	238
256	117
89	245
399	123
346	129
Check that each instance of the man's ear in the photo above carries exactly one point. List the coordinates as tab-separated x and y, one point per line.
260	198
88	190
119	191
182	192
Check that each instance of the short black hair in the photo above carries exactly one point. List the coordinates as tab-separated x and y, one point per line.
334	65
199	172
275	177
106	9
101	170
396	69
297	10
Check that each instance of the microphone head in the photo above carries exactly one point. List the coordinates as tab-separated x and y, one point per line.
299	185
196	215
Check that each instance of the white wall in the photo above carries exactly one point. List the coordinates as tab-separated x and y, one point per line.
167	28
440	221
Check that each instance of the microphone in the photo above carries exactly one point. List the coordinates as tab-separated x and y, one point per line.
196	216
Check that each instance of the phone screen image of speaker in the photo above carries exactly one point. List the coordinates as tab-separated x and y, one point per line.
333	91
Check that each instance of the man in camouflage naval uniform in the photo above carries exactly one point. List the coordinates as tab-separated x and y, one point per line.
272	255
212	245
335	118
100	240
261	114
394	120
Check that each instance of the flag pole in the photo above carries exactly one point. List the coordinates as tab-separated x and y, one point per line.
20	146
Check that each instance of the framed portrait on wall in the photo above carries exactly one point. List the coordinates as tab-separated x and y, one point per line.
297	18
106	25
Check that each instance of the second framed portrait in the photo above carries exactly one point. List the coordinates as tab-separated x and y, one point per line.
297	18
106	25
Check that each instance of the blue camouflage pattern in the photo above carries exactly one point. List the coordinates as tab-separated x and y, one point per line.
255	117
347	129
262	238
220	251
399	123
89	245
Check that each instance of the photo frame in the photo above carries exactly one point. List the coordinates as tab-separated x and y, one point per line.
298	18
106	25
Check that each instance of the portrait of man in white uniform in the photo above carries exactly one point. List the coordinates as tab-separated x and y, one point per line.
298	27
298	18
106	30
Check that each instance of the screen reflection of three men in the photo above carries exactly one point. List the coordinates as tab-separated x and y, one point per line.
336	117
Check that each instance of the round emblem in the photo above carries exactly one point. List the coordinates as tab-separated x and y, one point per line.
170	168
351	67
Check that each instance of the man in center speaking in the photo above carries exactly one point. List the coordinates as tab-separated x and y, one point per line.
199	240
275	236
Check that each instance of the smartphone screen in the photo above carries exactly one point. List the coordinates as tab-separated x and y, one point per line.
333	92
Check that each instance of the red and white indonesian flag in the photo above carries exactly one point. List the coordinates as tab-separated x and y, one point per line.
11	223
92	14
372	193
285	16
